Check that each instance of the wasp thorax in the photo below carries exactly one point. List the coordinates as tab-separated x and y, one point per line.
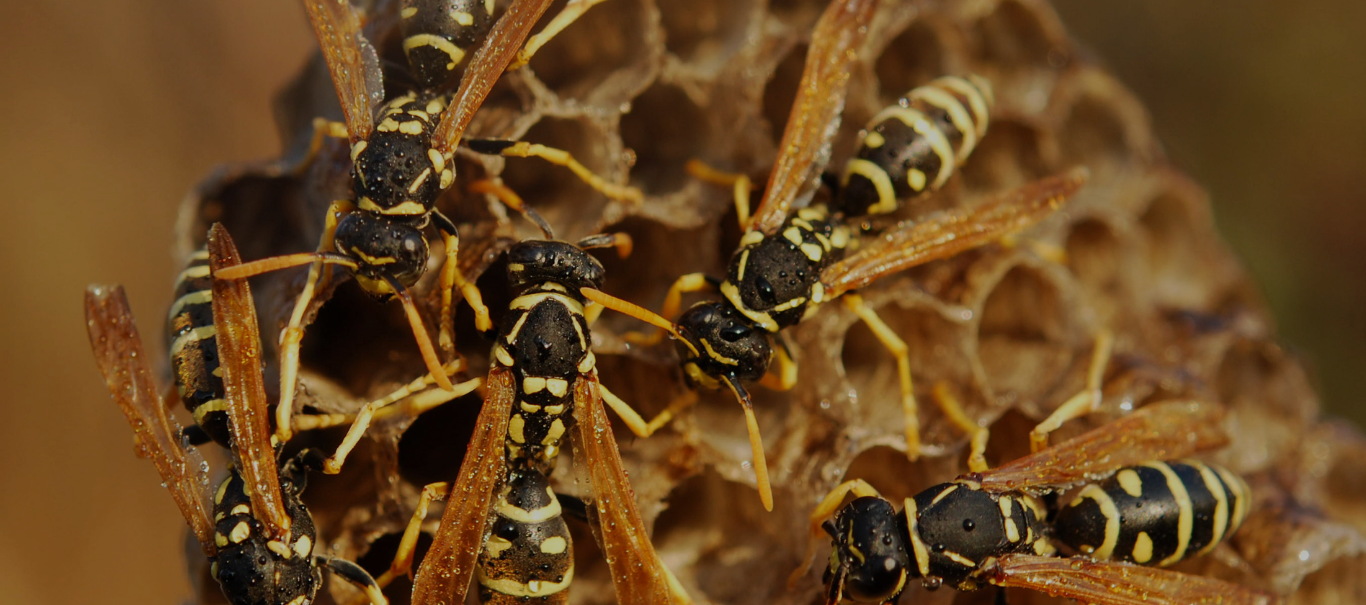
961	527
719	341
383	249
539	261
871	550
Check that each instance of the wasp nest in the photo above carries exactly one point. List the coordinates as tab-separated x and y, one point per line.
635	89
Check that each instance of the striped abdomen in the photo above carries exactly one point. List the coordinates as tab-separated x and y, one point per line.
1154	514
914	146
439	34
527	554
194	349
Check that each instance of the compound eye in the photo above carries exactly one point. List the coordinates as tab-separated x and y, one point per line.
734	333
765	290
506	530
877	579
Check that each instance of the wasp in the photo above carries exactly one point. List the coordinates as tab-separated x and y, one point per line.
789	263
503	523
254	528
402	156
993	528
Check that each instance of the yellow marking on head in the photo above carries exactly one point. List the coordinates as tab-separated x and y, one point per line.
279	549
408	13
794	235
743	264
372	260
527	301
462	17
303	547
528	590
959	559
1130	482
533	384
421	178
882	183
791	304
1111	514
874	140
240	532
453	52
1186	519
557	386
715	356
587	363
502	355
935	94
520	515
554	545
554	433
495	546
194	298
516	428
763	320
813	252
918	548
751	237
299	600
194	335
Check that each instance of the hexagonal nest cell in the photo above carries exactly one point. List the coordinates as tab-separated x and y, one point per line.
635	89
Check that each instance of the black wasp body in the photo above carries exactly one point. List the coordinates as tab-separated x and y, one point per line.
193	345
439	34
527	554
1156	513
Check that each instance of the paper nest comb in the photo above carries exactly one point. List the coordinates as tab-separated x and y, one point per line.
638	87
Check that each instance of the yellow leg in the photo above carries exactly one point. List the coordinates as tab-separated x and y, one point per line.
509	198
591	312
323	129
367	412
680	403
452	278
899	350
978	434
1049	252
625	412
1082	403
678	594
739	183
293	334
560	157
692	282
784	374
831	503
571	12
402	564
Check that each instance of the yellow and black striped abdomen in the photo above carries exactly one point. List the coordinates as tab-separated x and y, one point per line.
527	556
914	146
193	342
439	34
1154	514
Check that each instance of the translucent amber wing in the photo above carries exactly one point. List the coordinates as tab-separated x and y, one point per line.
947	233
484	69
239	355
637	573
119	354
1113	583
351	60
1161	431
446	571
816	111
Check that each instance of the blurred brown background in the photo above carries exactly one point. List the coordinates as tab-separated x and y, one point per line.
116	108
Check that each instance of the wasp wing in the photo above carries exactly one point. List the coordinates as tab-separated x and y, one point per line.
637	573
351	60
815	115
1161	431
947	233
445	573
484	69
123	362
1114	583
239	353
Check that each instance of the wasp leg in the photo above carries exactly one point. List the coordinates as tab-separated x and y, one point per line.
1050	252
293	334
591	312
1082	403
323	129
452	278
739	183
784	376
509	198
625	412
402	564
621	242
899	350
559	157
424	401
356	575
978	434
692	282
831	503
567	15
